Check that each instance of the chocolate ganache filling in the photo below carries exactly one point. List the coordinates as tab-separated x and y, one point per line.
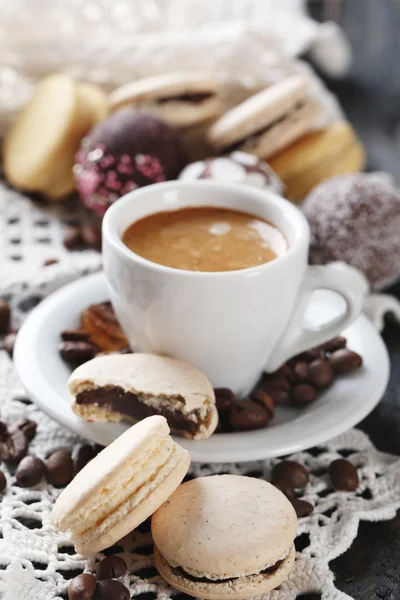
182	573
131	405
194	98
253	137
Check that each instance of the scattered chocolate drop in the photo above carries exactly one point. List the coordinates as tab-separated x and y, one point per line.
321	373
265	400
72	238
9	342
82	587
248	415
343	475
59	468
5	316
303	394
291	473
30	471
85	454
302	508
345	360
111	567
3	482
109	589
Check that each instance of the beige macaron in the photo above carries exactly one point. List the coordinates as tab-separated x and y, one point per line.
224	537
267	121
179	99
40	146
121	487
318	156
134	386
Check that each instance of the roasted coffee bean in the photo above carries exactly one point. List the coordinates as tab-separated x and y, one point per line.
5	316
75	334
3	431
345	360
9	342
286	489
111	567
27	426
303	394
85	454
278	395
335	344
13	446
301	371
77	353
224	398
82	587
247	415
276	382
72	239
308	356
59	468
343	475
91	236
50	261
109	589
265	400
291	473
30	471
321	373
302	507
284	372
3	482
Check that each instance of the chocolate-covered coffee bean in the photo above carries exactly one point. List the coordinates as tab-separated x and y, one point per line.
343	475
111	567
248	415
302	507
59	468
82	587
320	373
291	473
109	589
303	394
345	360
30	471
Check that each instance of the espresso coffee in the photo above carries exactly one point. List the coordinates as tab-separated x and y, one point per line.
205	239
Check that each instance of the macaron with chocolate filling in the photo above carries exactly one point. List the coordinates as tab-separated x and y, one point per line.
267	121
135	386
179	99
224	537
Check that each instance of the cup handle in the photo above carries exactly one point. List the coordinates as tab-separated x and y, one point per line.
347	281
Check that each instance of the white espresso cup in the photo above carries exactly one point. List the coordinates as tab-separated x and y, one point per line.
231	325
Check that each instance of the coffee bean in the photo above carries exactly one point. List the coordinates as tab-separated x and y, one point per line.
50	261
284	372
265	400
335	344
343	475
59	468
247	415
27	426
85	454
278	395
91	236
286	489
224	398
321	373
3	431
277	383
13	446
111	567
5	316
308	355
109	589
9	342
303	394
82	587
77	353
301	371
75	334
72	238
302	508
345	360
291	473
30	471
3	482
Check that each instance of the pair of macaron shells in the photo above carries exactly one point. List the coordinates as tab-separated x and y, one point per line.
217	537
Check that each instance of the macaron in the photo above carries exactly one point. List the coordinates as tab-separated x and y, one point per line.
225	536
179	99
134	386
121	487
318	156
267	121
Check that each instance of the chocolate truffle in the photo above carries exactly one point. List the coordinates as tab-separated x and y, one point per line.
129	149
237	167
356	219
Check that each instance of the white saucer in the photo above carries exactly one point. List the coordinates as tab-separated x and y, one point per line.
351	398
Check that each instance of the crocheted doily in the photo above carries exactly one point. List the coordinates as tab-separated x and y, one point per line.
38	563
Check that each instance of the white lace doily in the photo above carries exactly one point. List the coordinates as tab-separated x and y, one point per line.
37	563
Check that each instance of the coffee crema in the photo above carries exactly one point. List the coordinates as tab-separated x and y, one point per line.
205	238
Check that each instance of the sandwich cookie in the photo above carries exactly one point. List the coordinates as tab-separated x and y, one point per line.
318	156
121	487
179	99
135	386
268	121
224	537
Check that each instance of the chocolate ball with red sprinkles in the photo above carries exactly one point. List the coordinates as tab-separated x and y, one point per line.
356	219
128	150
